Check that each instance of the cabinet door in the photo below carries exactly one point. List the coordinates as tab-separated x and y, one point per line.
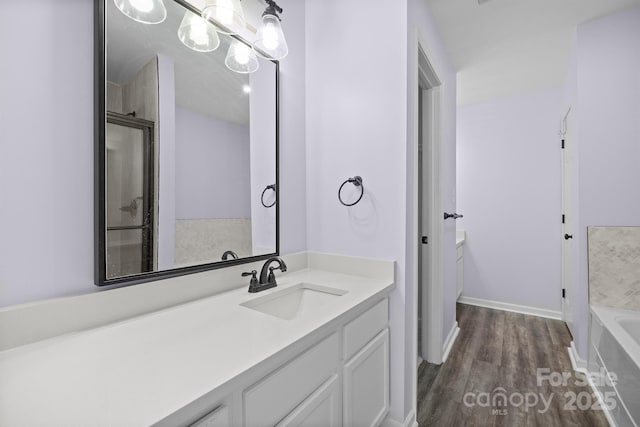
322	408
366	384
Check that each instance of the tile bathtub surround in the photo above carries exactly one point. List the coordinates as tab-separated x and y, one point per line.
205	240
614	267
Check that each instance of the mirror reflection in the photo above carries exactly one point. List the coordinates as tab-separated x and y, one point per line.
190	147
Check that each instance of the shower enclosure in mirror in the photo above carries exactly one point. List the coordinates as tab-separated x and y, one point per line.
186	149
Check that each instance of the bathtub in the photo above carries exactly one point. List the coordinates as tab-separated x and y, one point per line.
614	362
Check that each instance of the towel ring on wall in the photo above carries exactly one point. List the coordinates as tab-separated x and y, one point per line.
357	181
268	187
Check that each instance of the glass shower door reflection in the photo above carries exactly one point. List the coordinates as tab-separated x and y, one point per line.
129	204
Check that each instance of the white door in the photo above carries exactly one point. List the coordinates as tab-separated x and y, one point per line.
567	217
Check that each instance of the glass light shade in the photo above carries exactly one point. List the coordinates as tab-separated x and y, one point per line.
144	11
270	39
227	13
198	34
241	58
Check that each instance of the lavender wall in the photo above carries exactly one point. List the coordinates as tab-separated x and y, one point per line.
46	208
357	125
293	195
211	164
166	152
46	149
263	159
509	189
608	126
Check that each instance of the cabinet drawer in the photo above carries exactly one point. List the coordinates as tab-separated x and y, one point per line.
362	329
271	399
219	417
322	408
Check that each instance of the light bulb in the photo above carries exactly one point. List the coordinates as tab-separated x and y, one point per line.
198	31
241	53
143	11
270	36
198	34
228	14
270	42
225	12
143	5
241	58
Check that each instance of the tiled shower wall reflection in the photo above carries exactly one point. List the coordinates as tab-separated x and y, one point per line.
614	267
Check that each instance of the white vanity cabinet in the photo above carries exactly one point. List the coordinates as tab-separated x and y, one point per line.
366	371
273	398
219	417
366	384
322	408
339	379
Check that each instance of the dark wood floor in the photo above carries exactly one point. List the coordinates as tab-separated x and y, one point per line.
498	349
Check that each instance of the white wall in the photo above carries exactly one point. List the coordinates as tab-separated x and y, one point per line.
608	128
211	167
509	190
422	29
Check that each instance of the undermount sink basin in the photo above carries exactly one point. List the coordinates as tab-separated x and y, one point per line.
295	301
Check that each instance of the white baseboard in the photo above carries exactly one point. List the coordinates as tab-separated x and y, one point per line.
410	421
577	363
451	338
515	308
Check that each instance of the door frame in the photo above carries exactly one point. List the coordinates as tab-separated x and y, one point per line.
427	76
567	221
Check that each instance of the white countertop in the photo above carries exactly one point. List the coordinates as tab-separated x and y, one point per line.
138	371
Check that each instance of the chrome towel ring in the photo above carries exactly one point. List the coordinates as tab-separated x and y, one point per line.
268	187
357	181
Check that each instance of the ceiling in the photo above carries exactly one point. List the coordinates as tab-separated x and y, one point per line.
505	47
202	81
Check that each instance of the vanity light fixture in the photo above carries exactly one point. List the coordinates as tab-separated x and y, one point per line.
241	58
270	39
144	11
227	13
197	33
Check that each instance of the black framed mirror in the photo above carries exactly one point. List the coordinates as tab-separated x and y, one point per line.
185	151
